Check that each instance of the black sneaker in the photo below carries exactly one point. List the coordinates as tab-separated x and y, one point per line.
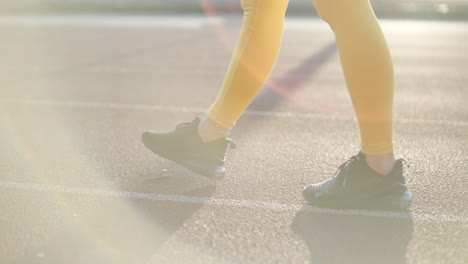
185	147
356	186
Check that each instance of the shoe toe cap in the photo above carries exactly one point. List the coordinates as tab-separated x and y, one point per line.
318	192
310	193
152	139
146	136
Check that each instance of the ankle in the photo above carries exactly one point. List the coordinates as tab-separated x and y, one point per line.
208	130
382	164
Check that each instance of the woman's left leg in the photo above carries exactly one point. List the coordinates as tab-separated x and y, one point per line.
202	144
253	59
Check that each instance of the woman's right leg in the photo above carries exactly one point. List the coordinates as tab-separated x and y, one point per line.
372	179
253	59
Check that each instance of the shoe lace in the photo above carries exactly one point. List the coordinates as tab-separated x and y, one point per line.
181	125
405	162
345	165
197	117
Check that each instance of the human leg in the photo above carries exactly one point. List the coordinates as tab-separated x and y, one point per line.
256	52
201	145
368	71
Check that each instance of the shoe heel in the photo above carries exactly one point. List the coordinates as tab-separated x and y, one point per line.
401	202
406	200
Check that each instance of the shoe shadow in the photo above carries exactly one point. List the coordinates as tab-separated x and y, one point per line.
165	216
333	238
139	236
117	230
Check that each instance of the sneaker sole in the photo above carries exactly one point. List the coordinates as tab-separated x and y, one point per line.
216	172
393	203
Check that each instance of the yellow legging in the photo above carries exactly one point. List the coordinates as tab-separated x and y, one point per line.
364	55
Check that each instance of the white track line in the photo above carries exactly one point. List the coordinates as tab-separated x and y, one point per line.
183	109
258	205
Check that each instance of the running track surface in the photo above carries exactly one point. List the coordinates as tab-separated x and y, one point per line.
77	186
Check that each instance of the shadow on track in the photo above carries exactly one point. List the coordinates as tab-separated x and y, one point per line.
112	231
335	238
279	90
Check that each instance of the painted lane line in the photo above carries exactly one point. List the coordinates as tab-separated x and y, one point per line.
183	109
258	205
